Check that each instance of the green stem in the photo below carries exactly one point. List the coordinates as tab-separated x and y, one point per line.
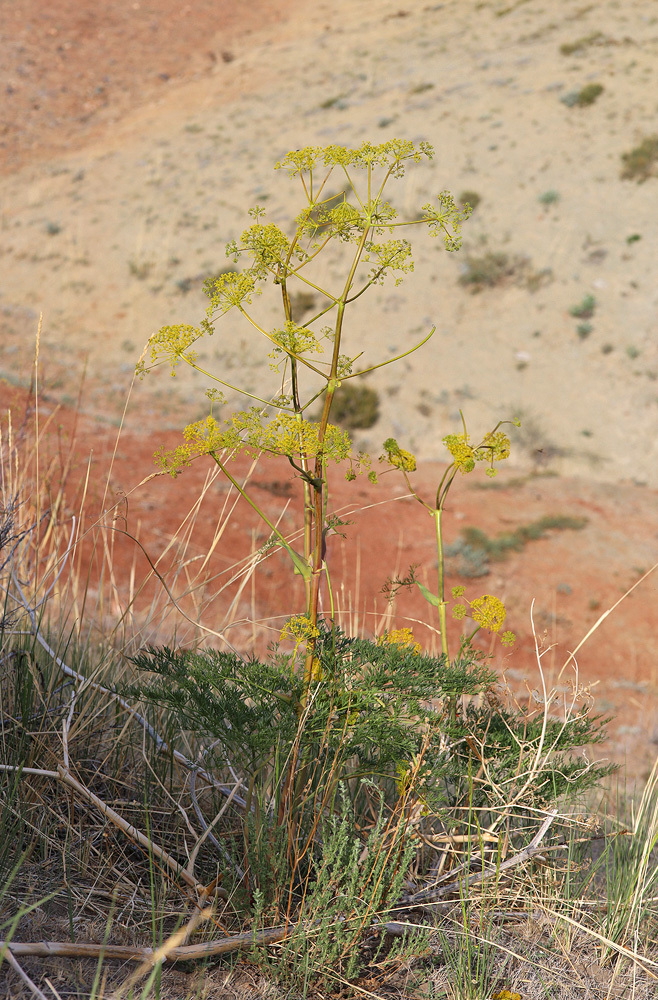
443	618
318	505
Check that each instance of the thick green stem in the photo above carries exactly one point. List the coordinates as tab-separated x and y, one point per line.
443	618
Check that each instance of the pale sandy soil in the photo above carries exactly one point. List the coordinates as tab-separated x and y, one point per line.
113	214
105	239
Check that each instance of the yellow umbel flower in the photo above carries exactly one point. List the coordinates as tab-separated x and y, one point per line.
489	612
486	611
398	457
400	637
299	628
463	454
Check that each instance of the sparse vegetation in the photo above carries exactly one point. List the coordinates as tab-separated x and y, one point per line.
580	44
357	407
475	549
491	269
584	97
140	269
550	197
585	308
642	161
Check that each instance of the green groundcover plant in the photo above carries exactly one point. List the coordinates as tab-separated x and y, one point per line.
348	746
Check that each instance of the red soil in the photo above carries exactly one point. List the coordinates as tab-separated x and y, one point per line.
71	68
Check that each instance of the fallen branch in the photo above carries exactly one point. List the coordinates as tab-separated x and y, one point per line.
6	952
134	953
436	893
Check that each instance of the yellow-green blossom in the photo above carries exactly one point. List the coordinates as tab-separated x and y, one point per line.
489	612
398	457
486	611
403	637
299	629
463	455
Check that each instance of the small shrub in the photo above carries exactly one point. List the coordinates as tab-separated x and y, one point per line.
302	302
537	279
356	406
640	163
475	549
140	269
334	102
584	97
471	198
583	330
499	547
633	352
589	94
420	88
549	197
469	561
569	48
584	309
492	269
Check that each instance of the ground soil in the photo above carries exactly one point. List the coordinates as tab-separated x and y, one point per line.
71	70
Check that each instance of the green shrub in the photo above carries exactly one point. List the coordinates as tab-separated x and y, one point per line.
584	97
356	406
491	269
580	44
470	198
641	162
585	308
476	548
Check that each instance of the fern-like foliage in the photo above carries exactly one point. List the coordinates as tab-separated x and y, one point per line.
369	711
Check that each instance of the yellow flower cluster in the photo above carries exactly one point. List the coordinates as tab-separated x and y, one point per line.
400	637
463	455
398	457
486	611
386	154
489	612
295	340
495	447
497	444
299	628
